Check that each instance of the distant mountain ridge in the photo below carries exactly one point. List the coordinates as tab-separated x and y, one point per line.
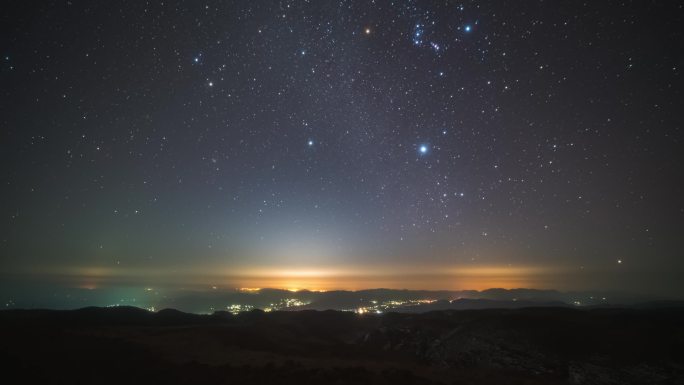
380	299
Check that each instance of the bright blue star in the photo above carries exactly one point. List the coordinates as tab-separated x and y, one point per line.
310	143
468	28
423	149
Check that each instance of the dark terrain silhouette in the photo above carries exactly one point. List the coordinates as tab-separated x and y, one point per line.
490	346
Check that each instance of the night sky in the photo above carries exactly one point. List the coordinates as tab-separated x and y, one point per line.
350	144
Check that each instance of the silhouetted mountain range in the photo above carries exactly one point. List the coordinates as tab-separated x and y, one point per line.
218	298
391	299
471	304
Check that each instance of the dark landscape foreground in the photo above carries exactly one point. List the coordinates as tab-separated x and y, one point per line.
518	346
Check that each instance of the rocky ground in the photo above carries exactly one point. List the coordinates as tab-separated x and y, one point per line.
519	346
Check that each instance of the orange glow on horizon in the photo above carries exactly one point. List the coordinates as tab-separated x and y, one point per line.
250	289
326	278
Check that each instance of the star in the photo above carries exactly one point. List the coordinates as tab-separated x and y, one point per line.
310	142
467	28
423	149
368	31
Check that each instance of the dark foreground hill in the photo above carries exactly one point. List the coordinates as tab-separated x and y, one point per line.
513	346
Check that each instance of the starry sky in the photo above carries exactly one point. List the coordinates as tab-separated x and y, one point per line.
343	144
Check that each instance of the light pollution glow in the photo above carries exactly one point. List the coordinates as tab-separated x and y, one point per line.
318	278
